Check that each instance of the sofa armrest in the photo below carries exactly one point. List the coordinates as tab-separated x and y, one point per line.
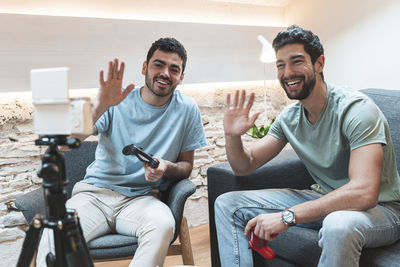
176	198
284	171
31	203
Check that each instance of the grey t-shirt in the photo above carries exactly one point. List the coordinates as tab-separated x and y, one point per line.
348	120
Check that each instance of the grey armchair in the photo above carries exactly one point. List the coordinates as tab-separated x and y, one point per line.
115	246
299	246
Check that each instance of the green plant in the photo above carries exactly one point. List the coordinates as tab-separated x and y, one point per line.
256	132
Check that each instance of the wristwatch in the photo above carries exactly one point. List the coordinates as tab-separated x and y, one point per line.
288	217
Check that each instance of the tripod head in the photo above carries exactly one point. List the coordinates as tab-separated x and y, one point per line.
60	140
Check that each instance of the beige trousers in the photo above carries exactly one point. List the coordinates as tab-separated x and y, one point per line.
102	211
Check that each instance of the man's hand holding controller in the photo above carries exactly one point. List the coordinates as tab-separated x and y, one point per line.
154	167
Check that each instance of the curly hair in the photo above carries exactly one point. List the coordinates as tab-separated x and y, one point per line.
168	45
297	35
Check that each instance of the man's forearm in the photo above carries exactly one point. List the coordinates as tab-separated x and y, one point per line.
239	157
178	170
98	110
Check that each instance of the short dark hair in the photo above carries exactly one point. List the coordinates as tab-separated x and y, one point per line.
168	45
297	35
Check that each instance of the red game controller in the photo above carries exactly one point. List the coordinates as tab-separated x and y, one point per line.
260	245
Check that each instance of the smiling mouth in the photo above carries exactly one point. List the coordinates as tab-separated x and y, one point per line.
293	83
163	82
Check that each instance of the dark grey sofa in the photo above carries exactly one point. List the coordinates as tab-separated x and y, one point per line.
299	246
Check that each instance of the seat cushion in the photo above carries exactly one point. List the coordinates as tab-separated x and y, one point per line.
113	246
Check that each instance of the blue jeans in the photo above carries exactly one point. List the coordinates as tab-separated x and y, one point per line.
342	234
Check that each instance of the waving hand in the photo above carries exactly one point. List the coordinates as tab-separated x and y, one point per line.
110	92
236	119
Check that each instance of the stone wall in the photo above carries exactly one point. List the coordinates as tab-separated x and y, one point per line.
20	158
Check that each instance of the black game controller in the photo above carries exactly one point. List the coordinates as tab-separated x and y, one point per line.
141	155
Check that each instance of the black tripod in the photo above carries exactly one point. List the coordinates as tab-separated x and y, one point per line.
70	246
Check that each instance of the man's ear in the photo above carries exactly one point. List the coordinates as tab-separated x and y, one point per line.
181	79
144	68
319	64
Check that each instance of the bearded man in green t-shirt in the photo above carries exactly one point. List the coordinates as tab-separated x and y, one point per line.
342	138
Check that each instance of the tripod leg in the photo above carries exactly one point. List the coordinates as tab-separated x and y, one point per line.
46	248
76	251
31	242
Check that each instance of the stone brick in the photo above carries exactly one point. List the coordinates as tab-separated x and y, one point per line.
201	155
3	209
20	184
206	148
14	218
4	179
11	234
197	181
15	169
7	161
5	188
202	162
26	127
9	197
196	211
10	251
36	180
220	142
203	171
195	172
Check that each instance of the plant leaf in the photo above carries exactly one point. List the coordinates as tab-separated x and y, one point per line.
256	132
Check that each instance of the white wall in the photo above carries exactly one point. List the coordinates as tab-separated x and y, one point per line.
361	39
220	38
216	52
265	13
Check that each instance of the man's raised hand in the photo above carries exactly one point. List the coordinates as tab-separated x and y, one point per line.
236	119
110	91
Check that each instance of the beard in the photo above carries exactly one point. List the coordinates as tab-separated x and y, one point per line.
162	92
308	86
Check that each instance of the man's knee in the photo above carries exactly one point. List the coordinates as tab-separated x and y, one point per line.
341	226
225	201
167	225
161	228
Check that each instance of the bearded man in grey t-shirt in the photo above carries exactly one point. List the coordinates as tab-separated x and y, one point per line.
343	139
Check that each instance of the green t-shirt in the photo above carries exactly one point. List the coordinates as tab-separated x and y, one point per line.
348	120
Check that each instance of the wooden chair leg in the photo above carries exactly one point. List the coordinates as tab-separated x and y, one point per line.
33	262
186	246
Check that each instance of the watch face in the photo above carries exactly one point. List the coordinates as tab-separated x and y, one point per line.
287	216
